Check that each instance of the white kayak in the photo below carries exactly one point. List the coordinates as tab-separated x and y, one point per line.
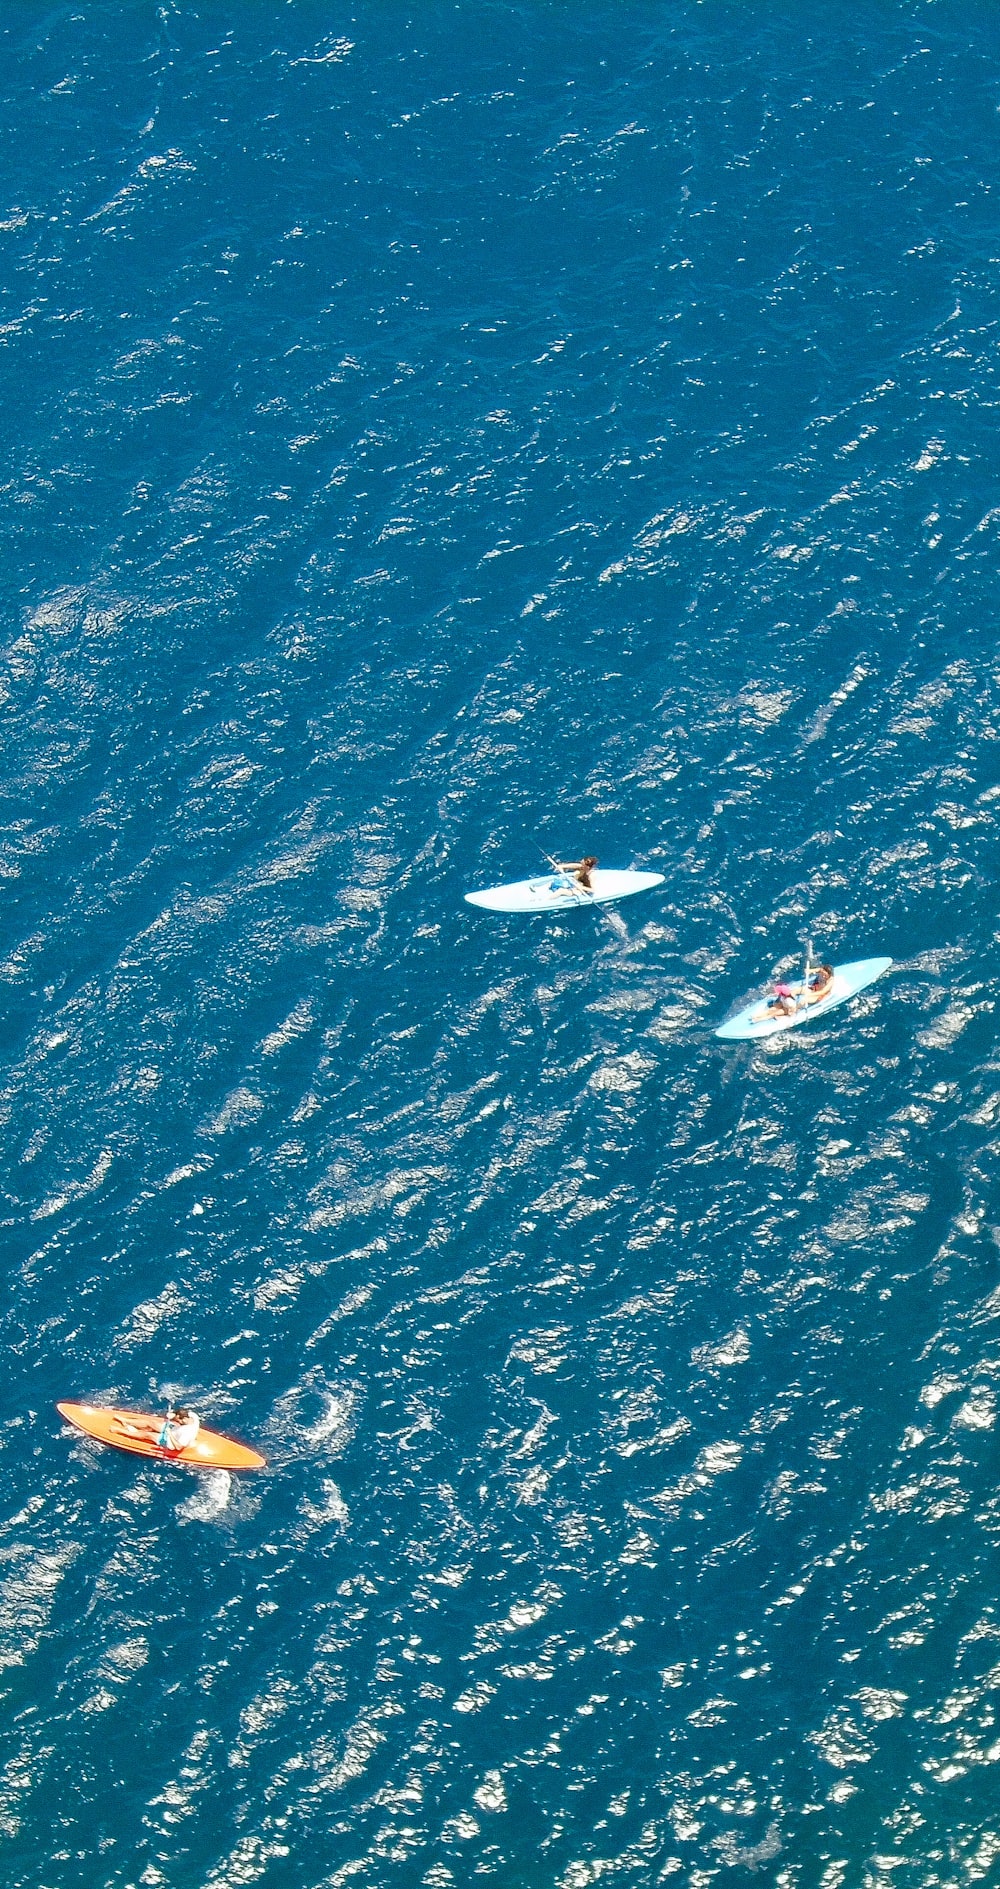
559	892
758	1020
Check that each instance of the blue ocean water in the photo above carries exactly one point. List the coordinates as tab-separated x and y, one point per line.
436	437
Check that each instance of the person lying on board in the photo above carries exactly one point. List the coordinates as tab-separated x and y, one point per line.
581	870
176	1431
820	984
784	1003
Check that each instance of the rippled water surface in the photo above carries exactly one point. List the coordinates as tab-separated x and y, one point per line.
435	438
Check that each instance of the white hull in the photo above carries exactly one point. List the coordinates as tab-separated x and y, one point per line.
848	979
556	892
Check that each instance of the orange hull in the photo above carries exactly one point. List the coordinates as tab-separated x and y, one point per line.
208	1451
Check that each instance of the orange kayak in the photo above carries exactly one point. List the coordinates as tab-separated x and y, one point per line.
208	1451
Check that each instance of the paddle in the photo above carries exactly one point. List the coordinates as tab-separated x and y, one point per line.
805	975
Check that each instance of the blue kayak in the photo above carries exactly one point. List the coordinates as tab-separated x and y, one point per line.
760	1019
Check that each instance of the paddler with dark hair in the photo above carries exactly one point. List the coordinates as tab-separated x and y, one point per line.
581	870
820	984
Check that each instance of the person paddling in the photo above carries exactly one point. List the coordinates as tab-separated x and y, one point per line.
820	984
581	870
